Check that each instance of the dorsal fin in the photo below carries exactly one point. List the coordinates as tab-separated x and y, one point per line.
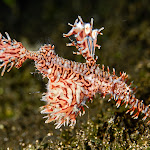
85	39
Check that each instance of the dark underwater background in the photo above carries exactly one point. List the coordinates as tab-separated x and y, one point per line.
125	47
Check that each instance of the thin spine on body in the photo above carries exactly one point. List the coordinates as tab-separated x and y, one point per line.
71	83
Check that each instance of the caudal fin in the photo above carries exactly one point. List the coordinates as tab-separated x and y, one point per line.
12	53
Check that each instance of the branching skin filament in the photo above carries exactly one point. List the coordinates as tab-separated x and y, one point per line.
71	84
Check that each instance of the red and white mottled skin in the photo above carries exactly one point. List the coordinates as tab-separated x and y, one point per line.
71	83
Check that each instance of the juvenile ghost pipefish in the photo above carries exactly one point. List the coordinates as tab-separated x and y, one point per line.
70	83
